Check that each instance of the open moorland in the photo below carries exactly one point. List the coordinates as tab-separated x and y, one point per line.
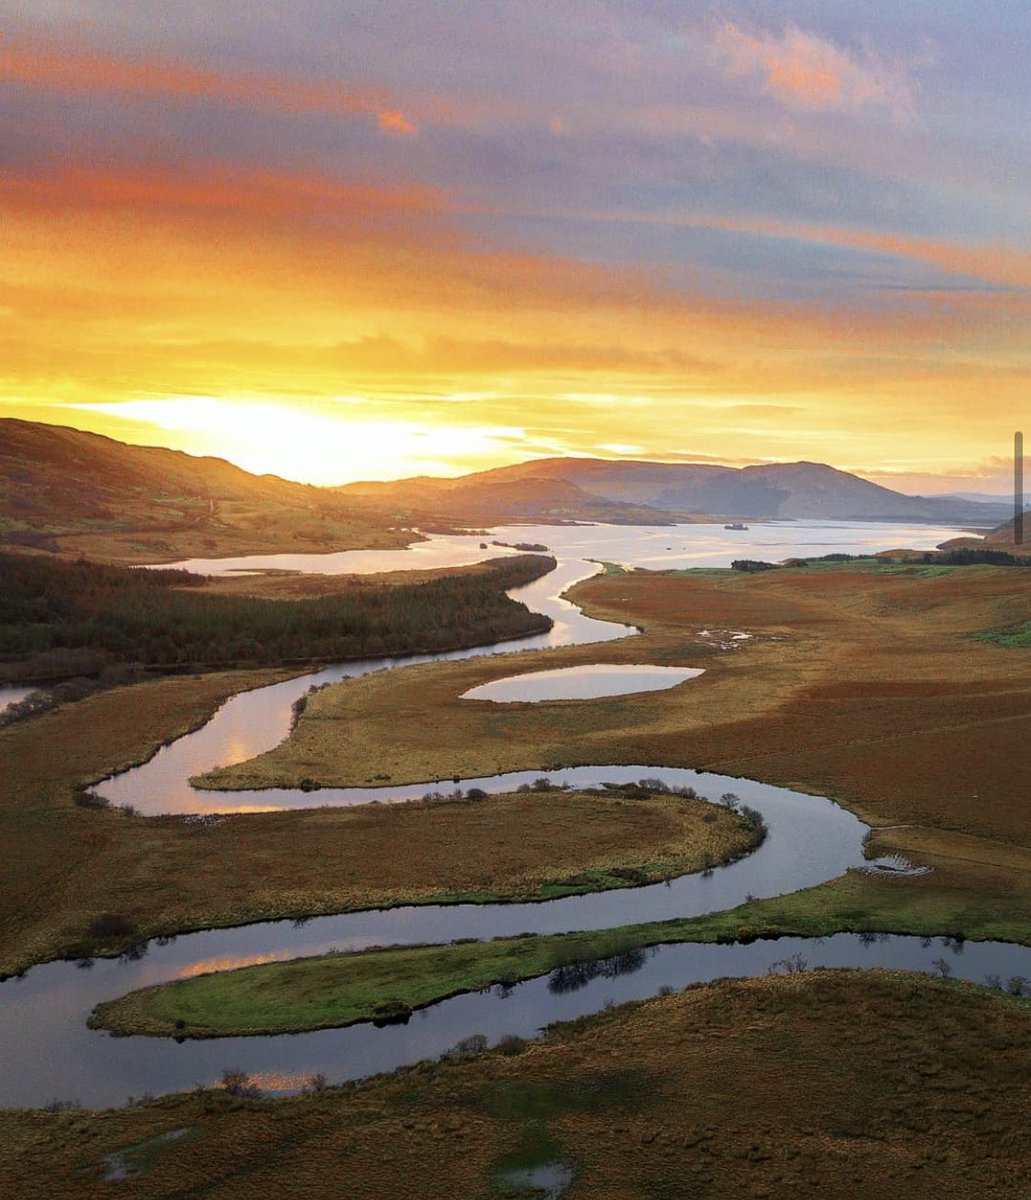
82	880
870	687
741	1088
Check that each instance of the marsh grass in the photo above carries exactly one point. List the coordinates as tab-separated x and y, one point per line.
730	1089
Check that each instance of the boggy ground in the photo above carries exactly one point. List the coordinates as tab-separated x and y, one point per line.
69	869
736	1089
867	687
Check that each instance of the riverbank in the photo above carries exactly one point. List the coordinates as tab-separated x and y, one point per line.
744	1086
114	885
336	990
869	688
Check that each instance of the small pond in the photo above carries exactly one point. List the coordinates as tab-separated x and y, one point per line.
581	683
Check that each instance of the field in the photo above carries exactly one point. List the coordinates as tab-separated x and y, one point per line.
735	1089
867	687
70	868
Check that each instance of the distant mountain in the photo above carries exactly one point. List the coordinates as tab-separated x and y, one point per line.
63	489
491	498
977	497
656	492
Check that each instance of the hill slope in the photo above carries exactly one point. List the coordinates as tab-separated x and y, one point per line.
652	492
79	492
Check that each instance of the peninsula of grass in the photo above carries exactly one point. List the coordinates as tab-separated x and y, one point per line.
388	984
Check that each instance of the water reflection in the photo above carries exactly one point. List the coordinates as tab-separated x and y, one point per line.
571	977
13	695
582	683
49	1054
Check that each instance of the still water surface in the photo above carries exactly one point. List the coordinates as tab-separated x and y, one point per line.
581	683
48	1053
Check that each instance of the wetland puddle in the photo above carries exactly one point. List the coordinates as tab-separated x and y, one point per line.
581	683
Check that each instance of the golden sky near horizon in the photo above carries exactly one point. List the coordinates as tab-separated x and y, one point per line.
351	241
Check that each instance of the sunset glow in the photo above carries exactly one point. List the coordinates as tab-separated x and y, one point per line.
337	241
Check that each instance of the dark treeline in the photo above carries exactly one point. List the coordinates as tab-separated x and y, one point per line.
56	614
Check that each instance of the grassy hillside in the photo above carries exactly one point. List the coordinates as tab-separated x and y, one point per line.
65	490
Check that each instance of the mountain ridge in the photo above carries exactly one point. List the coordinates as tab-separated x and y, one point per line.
77	492
680	491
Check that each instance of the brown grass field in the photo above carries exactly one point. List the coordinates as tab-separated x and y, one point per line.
241	527
737	1089
865	687
67	865
874	694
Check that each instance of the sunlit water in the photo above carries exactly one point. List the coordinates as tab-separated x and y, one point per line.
48	1053
12	695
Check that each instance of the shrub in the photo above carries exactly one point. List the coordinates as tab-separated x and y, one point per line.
511	1044
752	564
109	926
238	1083
84	798
475	1043
392	1011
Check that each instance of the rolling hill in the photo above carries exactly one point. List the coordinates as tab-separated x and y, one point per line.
80	493
652	492
66	490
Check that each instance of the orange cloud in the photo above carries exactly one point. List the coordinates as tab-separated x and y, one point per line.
999	264
392	121
995	263
809	72
212	189
71	70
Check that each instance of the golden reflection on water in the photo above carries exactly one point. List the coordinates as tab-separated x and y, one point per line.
272	1081
228	962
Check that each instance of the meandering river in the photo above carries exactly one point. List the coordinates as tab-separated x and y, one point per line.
48	1053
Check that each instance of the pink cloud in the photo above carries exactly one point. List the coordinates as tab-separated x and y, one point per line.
76	70
811	73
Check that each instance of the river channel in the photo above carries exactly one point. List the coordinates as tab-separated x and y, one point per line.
49	1054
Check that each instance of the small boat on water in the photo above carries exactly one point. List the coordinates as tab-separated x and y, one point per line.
736	525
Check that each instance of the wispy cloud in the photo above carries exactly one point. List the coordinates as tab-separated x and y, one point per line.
70	69
809	72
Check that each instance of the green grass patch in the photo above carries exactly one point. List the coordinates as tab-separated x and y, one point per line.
1018	638
341	989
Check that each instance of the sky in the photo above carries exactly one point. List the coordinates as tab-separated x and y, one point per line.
338	240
